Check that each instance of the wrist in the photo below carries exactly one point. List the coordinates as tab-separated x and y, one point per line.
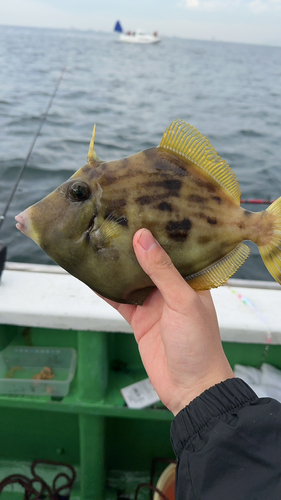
185	395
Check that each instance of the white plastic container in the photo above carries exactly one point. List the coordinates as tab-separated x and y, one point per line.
19	364
166	483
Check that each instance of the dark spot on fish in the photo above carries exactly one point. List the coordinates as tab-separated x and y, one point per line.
119	203
171	184
196	198
178	230
109	179
217	199
94	170
164	206
87	168
123	221
241	225
170	162
206	185
144	200
210	187
203	240
93	174
124	163
201	215
212	220
247	213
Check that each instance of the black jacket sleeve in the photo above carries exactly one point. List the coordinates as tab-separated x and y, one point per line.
228	445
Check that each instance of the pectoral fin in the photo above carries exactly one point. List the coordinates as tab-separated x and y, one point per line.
219	272
110	229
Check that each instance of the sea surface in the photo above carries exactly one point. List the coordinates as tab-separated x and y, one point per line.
230	92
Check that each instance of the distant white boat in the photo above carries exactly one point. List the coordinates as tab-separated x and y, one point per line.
138	36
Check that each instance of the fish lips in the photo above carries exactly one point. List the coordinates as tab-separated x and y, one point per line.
24	225
21	222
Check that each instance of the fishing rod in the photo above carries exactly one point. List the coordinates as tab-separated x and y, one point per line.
257	201
3	248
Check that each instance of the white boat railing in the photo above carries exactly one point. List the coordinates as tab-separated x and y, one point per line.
45	296
44	268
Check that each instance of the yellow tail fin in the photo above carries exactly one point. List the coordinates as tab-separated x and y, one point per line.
271	253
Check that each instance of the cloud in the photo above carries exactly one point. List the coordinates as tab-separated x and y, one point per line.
192	4
258	5
264	5
210	5
223	5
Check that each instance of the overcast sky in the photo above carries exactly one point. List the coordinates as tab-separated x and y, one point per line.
250	21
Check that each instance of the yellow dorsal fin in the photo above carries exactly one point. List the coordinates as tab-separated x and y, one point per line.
92	155
186	141
219	272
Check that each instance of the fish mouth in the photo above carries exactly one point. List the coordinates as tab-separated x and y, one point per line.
22	222
25	225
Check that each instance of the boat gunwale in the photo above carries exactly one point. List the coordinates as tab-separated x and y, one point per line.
55	269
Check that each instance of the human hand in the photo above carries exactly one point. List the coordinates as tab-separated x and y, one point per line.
176	330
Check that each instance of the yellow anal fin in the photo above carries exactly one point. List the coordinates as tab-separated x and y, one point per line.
217	274
185	140
271	253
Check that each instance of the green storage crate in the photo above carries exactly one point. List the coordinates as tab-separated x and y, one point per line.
91	428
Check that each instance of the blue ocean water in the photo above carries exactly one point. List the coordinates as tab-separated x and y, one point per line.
230	92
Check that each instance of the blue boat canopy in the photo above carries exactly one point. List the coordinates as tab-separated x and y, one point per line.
118	27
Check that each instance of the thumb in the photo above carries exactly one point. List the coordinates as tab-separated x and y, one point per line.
157	264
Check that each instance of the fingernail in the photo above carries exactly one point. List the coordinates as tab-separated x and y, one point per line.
146	240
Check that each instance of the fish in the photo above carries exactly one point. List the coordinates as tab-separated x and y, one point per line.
181	190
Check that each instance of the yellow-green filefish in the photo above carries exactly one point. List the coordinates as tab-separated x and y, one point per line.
181	190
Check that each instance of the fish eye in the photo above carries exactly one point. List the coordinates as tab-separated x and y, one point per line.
79	191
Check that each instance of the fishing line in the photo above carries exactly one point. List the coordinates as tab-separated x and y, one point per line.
3	248
42	121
